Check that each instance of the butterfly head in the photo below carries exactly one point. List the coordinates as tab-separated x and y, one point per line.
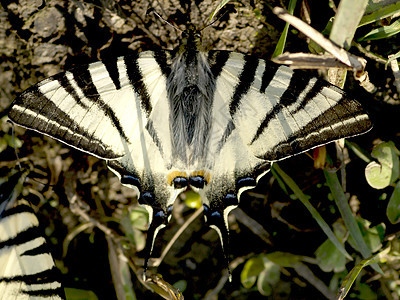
191	39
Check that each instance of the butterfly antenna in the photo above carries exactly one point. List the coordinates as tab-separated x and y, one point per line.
220	17
152	10
15	147
21	169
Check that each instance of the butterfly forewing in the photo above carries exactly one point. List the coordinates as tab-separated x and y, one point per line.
91	110
286	112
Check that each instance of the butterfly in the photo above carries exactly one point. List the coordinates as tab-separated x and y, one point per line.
166	121
27	269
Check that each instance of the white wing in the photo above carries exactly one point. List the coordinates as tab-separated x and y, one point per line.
263	113
101	108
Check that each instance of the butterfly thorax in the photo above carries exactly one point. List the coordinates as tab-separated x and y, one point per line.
190	87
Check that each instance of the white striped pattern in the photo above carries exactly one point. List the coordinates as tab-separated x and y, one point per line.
25	272
157	115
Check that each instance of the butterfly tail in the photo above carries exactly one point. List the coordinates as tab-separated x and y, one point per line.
216	219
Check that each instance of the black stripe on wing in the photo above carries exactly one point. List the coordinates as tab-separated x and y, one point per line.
16	210
297	84
44	284
65	83
337	122
217	60
268	74
85	82
153	133
136	79
60	125
316	89
30	233
36	102
112	69
245	81
162	60
46	276
50	276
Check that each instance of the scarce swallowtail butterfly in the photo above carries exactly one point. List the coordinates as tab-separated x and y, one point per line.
166	121
27	269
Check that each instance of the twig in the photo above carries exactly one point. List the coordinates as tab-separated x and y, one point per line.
309	61
212	294
395	68
370	54
308	275
357	63
253	225
155	262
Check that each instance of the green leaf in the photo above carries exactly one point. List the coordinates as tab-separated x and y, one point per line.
251	270
139	218
3	144
180	285
382	174
134	223
314	47
78	294
271	272
379	9
280	181
382	32
373	236
330	258
348	281
120	272
257	13
340	230
366	292
14	142
263	286
393	208
315	214
282	40
284	259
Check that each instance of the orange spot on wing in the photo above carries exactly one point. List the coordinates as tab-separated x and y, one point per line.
171	176
206	175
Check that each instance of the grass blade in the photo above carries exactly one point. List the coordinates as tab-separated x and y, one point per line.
315	214
348	281
218	8
347	215
282	40
382	32
378	10
346	21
